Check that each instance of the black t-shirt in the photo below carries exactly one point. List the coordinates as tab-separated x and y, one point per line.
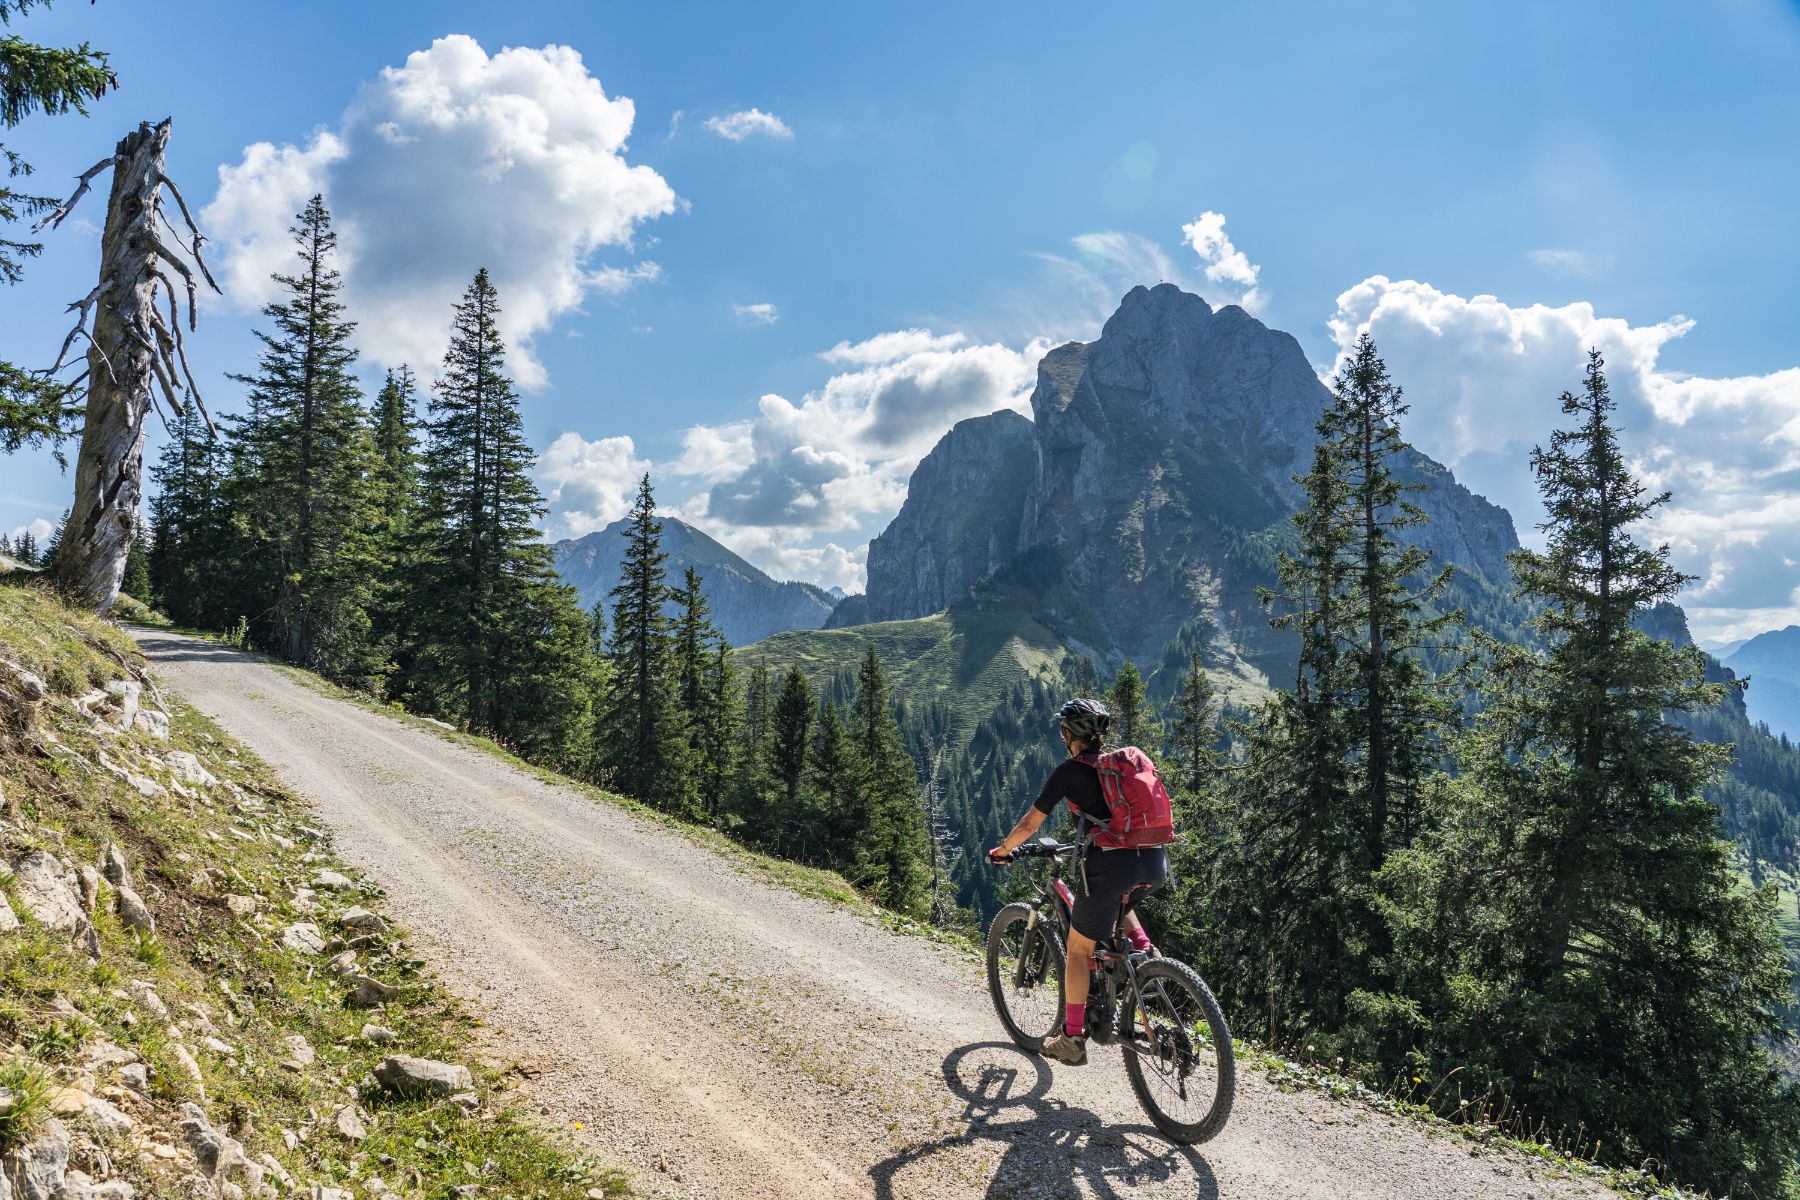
1077	781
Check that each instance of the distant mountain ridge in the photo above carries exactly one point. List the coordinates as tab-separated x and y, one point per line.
1772	661
747	604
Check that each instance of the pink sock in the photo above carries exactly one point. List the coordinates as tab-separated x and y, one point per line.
1075	1019
1140	941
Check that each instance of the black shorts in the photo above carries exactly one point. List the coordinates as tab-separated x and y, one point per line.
1116	877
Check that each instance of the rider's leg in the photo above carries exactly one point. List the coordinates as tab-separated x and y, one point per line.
1076	965
1135	935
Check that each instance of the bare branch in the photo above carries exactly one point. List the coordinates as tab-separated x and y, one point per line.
168	388
173	331
168	256
85	303
67	206
192	228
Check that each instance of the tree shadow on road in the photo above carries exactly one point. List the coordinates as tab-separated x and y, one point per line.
1047	1144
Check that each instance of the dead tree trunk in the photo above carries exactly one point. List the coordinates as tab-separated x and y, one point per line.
131	349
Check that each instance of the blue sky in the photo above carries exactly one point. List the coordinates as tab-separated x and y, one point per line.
994	177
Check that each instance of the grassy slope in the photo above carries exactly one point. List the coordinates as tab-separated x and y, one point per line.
187	854
964	659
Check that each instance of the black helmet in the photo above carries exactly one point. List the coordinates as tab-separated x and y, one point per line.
1086	719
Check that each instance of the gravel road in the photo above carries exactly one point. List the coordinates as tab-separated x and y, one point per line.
724	1037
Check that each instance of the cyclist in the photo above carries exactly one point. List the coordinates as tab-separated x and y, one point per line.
1112	877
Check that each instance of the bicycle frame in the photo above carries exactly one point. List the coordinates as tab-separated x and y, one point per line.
1058	898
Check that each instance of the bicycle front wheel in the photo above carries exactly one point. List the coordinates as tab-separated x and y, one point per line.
1179	1059
1024	968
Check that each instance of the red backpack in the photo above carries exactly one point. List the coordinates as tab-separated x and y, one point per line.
1141	813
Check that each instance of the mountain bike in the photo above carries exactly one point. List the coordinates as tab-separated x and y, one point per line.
1157	1010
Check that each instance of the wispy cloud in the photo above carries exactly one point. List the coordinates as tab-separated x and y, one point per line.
762	313
1579	263
748	123
1224	264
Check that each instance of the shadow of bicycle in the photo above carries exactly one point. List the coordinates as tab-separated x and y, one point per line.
1047	1144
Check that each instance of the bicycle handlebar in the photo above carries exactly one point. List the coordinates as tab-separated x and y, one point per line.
1044	848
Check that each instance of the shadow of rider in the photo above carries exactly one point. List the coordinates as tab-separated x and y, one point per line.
1046	1141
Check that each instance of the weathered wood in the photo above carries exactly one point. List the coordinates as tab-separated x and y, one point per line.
130	352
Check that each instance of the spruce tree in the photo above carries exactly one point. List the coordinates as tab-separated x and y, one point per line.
494	638
721	714
1191	758
751	782
27	550
1398	708
832	774
396	467
789	729
301	491
891	858
1575	934
643	736
136	582
191	577
1133	714
37	79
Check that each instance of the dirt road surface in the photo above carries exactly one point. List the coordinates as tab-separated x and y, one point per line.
727	1038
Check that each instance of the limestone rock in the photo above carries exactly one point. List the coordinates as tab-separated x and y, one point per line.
241	906
221	1157
152	722
188	769
408	1076
135	1076
49	891
343	963
362	921
305	937
380	1035
9	920
133	912
106	1118
349	1124
38	1168
368	993
114	867
332	881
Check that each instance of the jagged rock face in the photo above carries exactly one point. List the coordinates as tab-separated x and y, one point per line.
961	518
1155	453
747	605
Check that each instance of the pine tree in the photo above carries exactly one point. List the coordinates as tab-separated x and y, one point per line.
302	491
1191	758
53	80
1575	934
494	638
396	467
47	557
891	859
643	736
1133	714
789	729
191	577
1398	709
136	583
722	711
27	549
832	778
750	786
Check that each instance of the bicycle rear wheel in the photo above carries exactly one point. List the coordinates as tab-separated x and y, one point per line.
1024	969
1180	1061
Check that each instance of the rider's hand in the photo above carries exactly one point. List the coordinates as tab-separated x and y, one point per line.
999	854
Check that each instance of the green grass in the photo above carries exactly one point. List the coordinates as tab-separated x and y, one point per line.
966	658
186	859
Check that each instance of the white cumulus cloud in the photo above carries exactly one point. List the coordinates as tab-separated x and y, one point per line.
1224	265
453	161
750	122
588	485
762	313
39	529
1483	378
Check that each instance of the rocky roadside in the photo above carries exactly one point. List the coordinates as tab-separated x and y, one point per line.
196	999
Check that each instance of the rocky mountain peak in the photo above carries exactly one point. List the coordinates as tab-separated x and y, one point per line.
1156	456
